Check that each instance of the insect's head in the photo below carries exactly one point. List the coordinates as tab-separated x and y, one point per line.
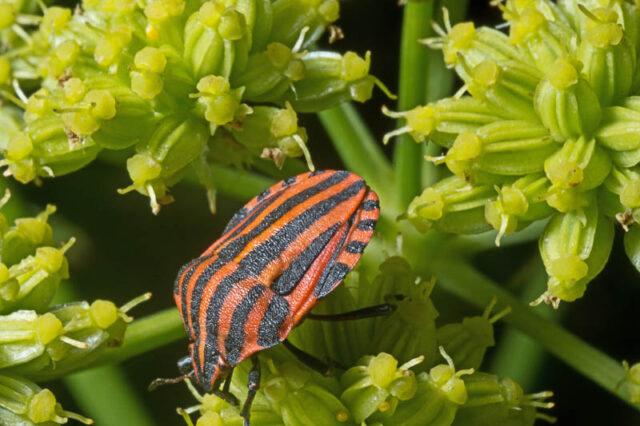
207	373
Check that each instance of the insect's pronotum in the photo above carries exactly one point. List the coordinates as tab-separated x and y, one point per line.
282	252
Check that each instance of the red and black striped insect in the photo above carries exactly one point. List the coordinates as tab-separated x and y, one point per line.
282	252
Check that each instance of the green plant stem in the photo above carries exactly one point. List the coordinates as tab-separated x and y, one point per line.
516	355
461	279
163	327
105	395
358	149
414	67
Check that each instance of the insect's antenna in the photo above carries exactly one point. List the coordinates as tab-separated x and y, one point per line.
166	381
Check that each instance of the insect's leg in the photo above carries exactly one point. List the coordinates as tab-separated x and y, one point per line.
307	359
226	396
368	312
253	385
162	381
227	383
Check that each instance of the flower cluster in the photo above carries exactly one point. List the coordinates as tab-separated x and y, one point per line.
544	128
178	85
434	383
39	341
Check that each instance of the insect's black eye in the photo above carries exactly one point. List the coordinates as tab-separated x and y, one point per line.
184	365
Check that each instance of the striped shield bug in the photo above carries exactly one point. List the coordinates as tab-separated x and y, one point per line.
279	255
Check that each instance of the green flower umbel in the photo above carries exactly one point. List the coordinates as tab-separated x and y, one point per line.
181	86
548	131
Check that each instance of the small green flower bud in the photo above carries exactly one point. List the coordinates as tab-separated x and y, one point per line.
518	205
38	105
150	59
203	45
440	393
451	205
56	152
176	142
567	200
467	342
109	49
39	277
112	114
475	45
494	401
55	20
25	336
146	84
161	10
580	164
280	126
291	18
103	313
74	90
368	385
7	15
97	105
23	402
574	247
566	103
543	40
146	81
143	168
607	55
631	382
60	59
510	87
232	25
620	129
19	147
102	104
441	121
626	184
268	75
26	235
221	104
331	79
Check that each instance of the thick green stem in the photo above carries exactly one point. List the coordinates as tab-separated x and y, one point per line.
358	149
517	356
105	395
414	68
461	279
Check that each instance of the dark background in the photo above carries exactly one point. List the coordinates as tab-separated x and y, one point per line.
124	251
